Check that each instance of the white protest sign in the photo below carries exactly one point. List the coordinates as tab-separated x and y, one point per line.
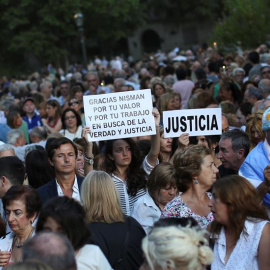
195	122
119	115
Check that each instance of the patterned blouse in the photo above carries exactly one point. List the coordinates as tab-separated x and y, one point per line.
177	208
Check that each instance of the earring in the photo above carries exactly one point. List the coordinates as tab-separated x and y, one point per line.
196	182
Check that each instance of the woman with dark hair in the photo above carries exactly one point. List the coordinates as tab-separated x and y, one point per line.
123	162
229	91
169	146
195	173
77	105
241	229
53	121
177	101
161	190
72	124
157	89
77	92
80	160
66	215
21	205
38	169
242	114
211	142
127	167
118	236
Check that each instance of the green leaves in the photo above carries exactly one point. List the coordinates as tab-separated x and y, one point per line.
47	28
246	22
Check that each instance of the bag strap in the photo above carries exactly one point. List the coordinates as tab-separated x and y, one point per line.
124	250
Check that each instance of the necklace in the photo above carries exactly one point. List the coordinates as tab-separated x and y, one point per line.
16	241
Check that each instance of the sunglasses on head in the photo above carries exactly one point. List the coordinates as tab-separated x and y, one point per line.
73	103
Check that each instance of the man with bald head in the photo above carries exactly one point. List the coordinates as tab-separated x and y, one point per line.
94	87
51	248
120	85
264	86
46	90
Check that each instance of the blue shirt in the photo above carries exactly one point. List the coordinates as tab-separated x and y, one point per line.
33	122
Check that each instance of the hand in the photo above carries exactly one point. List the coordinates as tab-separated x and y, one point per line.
183	140
4	257
80	172
86	134
156	115
266	174
43	121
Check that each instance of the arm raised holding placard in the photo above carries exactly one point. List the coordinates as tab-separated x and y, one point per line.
89	157
155	141
183	141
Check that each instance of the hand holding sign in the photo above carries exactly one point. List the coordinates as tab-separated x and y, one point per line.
86	134
156	115
183	140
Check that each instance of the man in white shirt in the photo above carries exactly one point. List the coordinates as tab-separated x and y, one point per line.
62	155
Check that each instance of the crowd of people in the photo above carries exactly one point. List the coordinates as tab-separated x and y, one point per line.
144	202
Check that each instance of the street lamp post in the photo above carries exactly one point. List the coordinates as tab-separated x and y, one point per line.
78	17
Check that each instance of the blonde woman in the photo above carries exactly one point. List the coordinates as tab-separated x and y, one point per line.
254	129
175	248
118	236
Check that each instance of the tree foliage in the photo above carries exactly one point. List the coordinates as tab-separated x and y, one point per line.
46	29
186	11
245	22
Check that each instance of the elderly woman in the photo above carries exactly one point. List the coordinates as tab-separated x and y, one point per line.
176	248
22	205
241	229
195	173
15	121
161	190
118	236
72	124
67	216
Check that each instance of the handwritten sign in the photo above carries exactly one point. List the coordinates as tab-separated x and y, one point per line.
195	122
119	115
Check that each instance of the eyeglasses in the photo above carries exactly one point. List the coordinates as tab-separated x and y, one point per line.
70	117
266	72
73	103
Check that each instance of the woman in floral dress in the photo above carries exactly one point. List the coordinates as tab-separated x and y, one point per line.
195	173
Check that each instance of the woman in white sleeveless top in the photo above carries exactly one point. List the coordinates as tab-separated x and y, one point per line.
240	230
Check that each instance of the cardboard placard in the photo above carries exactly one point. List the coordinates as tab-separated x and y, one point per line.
119	115
195	122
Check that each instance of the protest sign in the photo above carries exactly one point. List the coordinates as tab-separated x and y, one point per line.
119	115
195	122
